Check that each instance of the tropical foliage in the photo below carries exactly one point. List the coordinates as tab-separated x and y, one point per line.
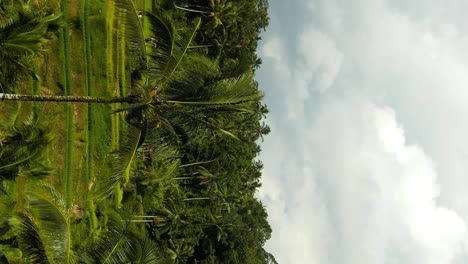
168	173
22	31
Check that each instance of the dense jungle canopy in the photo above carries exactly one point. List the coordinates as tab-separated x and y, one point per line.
164	168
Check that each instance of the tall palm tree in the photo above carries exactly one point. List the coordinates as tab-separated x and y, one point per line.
172	89
217	9
189	106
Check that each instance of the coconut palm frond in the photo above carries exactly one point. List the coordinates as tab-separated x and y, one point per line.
140	94
23	30
233	91
164	152
10	229
30	241
117	244
208	126
178	55
194	124
196	66
123	161
129	17
233	98
179	251
166	124
149	252
241	66
165	163
130	108
24	33
239	94
10	254
50	217
23	146
160	42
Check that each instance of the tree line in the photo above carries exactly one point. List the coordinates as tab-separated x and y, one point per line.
181	183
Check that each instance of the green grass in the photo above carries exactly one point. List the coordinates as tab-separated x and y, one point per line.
110	9
89	157
35	89
122	65
122	62
66	55
148	6
93	60
82	142
89	88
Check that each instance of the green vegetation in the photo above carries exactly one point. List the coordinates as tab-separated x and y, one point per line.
66	76
89	89
165	169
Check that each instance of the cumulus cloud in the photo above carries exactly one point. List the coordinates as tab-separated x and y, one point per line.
368	157
299	220
322	60
380	191
315	64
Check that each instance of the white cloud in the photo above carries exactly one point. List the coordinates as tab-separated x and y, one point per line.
300	219
273	50
318	66
369	162
380	191
322	60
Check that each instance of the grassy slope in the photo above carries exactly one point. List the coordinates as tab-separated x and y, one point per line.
67	82
92	61
89	88
75	63
84	59
110	54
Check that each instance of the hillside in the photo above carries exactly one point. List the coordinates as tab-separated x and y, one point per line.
165	174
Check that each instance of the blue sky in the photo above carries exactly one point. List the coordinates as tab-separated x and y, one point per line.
367	161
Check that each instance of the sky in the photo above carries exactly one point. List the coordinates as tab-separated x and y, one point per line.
367	161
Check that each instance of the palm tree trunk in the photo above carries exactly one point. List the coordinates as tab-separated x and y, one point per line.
73	99
207	103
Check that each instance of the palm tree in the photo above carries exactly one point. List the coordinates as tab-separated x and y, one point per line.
161	86
203	175
23	30
227	10
171	90
51	219
120	243
42	233
22	147
39	233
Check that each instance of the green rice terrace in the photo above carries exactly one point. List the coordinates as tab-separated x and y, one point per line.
129	132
